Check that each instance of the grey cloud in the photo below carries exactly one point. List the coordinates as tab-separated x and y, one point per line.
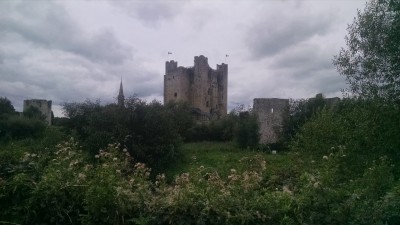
306	65
266	39
137	80
50	26
45	54
304	59
150	12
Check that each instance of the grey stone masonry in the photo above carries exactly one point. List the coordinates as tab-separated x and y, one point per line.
204	88
44	107
271	113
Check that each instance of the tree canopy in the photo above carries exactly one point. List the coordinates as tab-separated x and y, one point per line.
5	106
371	60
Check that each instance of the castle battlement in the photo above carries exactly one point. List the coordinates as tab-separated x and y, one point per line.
170	66
204	88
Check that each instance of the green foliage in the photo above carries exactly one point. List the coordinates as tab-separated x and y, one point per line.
371	61
18	127
363	126
247	131
181	115
13	126
152	132
6	107
157	142
239	125
34	113
301	111
222	129
79	115
64	186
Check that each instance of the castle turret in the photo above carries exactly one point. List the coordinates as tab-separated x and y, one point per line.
201	85
170	66
222	71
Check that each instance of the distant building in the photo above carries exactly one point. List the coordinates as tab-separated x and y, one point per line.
121	97
271	113
205	89
44	107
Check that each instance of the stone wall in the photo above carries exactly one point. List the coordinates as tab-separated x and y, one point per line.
271	113
204	88
44	107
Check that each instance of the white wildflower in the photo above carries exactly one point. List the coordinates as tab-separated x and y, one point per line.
81	176
263	165
286	189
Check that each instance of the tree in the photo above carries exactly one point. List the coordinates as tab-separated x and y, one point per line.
149	131
301	111
6	107
34	113
247	133
371	61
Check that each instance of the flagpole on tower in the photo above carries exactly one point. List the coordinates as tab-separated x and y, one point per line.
169	53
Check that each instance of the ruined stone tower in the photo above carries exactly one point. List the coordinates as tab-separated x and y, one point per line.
271	113
204	88
44	107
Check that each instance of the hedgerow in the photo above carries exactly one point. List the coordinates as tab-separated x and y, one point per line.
66	186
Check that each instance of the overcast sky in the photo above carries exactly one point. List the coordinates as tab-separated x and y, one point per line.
69	51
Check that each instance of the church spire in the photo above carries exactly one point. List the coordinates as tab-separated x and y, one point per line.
121	97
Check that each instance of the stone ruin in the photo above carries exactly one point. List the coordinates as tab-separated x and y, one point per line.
271	113
42	105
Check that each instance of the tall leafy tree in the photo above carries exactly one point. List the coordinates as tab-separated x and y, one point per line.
5	106
371	60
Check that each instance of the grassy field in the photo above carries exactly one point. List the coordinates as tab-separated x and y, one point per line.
223	157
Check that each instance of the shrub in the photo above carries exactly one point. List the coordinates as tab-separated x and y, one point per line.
65	186
247	130
149	131
17	127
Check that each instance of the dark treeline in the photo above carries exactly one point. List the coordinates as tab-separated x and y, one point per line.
151	131
15	126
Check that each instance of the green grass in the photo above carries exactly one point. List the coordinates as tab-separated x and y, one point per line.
222	157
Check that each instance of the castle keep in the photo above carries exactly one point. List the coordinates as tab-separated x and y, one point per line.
205	89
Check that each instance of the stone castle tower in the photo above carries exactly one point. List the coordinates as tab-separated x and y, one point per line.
204	88
42	105
271	113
